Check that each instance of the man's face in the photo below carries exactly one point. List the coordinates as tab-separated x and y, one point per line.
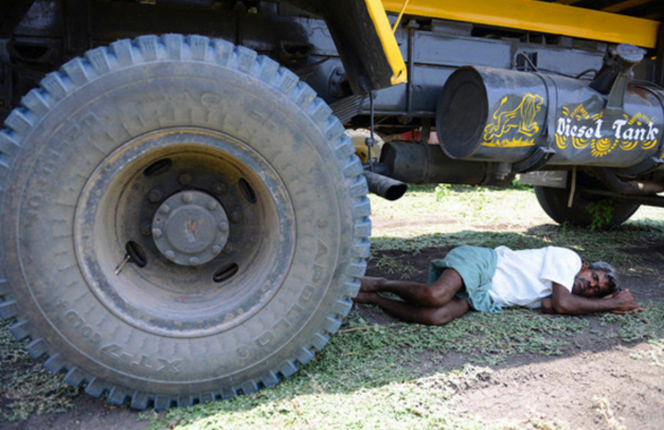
591	283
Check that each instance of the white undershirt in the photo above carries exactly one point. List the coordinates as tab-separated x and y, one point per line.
524	278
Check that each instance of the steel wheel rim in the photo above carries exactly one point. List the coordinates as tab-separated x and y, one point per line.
256	255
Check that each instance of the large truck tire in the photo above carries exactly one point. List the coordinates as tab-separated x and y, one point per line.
554	202
181	221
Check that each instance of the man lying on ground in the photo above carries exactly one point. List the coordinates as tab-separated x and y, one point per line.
487	280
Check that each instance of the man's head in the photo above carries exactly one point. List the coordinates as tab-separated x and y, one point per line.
595	280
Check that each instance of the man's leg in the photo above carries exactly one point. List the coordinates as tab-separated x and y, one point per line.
417	314
435	295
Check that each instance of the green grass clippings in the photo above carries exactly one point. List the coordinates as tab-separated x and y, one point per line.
28	388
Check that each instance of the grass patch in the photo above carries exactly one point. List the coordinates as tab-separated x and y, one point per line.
27	387
486	339
425	403
646	325
393	265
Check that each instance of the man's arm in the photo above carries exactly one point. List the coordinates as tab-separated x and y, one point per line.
564	302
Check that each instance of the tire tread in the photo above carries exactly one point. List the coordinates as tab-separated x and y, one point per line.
21	329
98	58
75	70
54	86
55	363
147	46
174	44
75	377
123	52
96	387
35	102
8	309
19	122
37	348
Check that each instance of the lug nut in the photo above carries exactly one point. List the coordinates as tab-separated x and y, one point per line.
187	198
212	206
223	226
170	255
194	261
216	249
154	195
146	230
218	188
157	233
164	209
185	179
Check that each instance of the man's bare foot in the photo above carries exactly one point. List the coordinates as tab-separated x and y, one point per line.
365	298
369	284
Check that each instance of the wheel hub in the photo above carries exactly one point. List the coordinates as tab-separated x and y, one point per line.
190	228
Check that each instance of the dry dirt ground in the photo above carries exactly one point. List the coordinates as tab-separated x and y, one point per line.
596	384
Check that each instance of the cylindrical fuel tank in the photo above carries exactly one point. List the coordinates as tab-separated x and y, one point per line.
488	114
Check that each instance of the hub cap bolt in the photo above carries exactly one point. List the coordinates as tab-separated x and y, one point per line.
146	230
157	233
185	179
187	198
154	195
235	216
216	249
194	261
164	209
223	226
212	206
170	255
219	188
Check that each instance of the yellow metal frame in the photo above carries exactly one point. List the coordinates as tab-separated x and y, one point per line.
538	16
387	39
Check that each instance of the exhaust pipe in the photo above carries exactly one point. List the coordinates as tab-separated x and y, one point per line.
385	187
